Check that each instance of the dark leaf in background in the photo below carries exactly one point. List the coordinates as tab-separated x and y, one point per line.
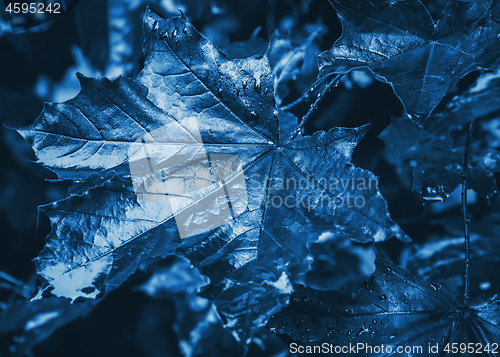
33	322
251	260
197	324
437	161
338	262
399	42
435	150
111	35
45	11
441	256
442	259
394	308
4	24
291	58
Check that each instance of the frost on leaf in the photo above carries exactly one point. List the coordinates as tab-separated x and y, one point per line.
400	43
394	308
189	88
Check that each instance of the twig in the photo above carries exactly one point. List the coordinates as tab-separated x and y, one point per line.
465	218
314	106
306	95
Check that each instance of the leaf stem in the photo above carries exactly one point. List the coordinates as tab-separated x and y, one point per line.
332	83
465	218
306	95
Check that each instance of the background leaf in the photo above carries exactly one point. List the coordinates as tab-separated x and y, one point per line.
399	42
394	308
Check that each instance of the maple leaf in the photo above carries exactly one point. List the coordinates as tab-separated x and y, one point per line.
399	42
189	91
437	146
39	319
338	262
110	35
394	308
442	258
288	59
110	31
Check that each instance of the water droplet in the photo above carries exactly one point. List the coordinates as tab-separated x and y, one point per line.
362	330
374	322
256	86
485	285
185	30
382	297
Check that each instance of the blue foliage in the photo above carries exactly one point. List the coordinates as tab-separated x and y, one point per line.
217	189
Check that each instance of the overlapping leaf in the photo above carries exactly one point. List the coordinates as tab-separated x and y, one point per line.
36	321
443	260
110	31
437	147
189	88
197	324
288	59
394	308
338	262
400	43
